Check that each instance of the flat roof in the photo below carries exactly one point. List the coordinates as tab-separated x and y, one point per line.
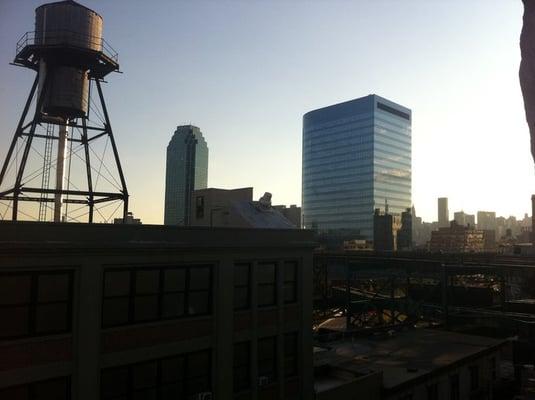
409	355
223	190
340	370
23	237
355	104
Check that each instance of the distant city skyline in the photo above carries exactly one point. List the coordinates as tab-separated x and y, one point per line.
452	213
256	67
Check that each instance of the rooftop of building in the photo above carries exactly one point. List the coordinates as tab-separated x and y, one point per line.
332	371
407	356
285	206
350	105
26	236
187	126
255	214
220	190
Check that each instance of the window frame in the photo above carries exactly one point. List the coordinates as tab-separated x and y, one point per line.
474	377
247	286
199	207
33	302
493	369
273	284
294	358
32	386
293	283
160	384
136	294
432	391
455	383
246	366
161	292
274	373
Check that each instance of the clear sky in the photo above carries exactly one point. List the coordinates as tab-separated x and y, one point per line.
246	71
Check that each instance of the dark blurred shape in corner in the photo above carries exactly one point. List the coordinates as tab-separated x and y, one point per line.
527	67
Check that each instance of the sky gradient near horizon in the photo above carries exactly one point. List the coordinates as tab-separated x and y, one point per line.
245	72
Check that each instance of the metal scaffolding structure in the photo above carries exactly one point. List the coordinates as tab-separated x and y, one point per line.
372	291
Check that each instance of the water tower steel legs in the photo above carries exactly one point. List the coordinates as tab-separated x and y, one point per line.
115	153
85	142
91	197
20	172
18	131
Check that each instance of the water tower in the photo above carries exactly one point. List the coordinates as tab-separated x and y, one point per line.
71	59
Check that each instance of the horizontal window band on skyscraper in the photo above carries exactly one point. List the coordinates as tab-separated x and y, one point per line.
388	160
328	182
315	127
392	110
391	140
366	150
396	141
348	162
341	204
356	199
393	121
328	177
321	191
384	193
361	209
353	160
393	149
333	172
362	122
325	192
392	194
399	176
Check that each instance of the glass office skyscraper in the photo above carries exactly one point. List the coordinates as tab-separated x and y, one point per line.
186	171
356	158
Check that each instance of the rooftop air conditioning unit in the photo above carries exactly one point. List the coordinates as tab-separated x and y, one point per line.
263	380
205	396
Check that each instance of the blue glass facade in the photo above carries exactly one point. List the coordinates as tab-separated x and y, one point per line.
356	155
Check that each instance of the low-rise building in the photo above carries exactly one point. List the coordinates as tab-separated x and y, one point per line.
129	220
486	220
383	234
211	207
358	244
292	213
235	208
338	377
418	364
404	234
106	311
385	230
489	240
457	239
465	219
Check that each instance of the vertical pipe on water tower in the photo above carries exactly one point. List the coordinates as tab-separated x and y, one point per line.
60	168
